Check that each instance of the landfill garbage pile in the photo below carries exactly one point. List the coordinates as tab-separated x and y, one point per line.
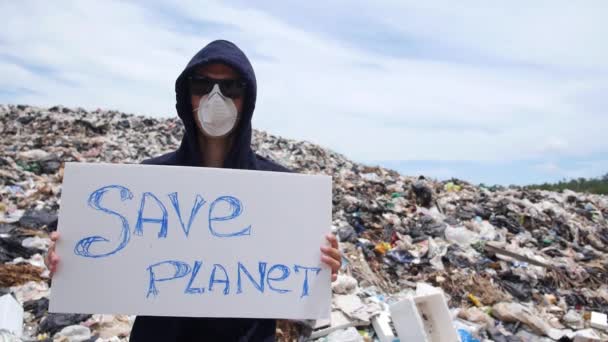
513	264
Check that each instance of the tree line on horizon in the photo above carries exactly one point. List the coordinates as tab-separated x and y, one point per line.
597	185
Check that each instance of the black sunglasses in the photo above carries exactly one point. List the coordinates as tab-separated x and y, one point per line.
202	85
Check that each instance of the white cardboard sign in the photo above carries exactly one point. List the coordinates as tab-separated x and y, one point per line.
188	241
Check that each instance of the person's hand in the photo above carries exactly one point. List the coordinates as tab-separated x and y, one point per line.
331	256
52	259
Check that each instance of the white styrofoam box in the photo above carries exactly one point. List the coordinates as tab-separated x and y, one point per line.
424	317
599	320
383	327
407	321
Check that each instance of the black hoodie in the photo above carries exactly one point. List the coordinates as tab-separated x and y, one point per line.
240	156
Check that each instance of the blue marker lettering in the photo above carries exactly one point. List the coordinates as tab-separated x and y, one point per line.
225	281
82	247
284	274
198	203
141	220
305	285
236	209
258	285
181	270
189	288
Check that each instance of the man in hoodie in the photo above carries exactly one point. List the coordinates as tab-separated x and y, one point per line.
216	95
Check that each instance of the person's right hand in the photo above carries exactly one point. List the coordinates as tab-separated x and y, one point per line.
52	259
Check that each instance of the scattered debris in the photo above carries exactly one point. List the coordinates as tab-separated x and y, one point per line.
344	284
587	335
514	264
14	275
573	320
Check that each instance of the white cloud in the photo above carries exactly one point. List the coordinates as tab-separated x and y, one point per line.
549	167
535	100
545	33
553	145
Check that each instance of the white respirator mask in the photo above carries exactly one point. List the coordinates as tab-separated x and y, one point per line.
216	113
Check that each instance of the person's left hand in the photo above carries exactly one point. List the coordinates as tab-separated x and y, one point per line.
331	256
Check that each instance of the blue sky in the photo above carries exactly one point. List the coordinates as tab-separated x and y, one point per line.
494	92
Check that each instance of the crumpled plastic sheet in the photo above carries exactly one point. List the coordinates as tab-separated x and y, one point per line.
55	322
73	333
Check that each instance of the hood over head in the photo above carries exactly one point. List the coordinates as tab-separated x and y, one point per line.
240	155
